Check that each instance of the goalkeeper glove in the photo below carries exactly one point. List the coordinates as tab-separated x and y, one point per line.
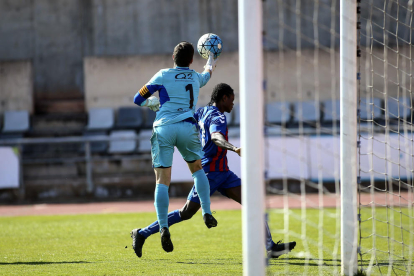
211	62
152	103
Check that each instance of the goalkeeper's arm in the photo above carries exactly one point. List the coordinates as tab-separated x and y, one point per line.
211	64
144	97
221	142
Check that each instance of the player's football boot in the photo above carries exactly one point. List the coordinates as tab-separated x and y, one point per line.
166	240
209	220
280	248
137	241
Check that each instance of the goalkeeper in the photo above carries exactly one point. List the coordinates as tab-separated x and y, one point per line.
214	136
175	126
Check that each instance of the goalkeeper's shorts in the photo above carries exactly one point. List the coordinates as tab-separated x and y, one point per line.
219	181
183	135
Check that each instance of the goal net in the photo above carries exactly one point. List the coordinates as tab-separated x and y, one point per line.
302	135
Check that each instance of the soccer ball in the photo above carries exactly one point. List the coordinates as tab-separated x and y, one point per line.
209	43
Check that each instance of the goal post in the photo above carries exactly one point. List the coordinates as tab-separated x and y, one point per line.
252	136
348	135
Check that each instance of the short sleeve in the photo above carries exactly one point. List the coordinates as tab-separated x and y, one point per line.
156	79
203	78
219	124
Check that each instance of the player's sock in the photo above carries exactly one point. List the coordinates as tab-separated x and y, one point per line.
161	204
269	240
203	190
173	218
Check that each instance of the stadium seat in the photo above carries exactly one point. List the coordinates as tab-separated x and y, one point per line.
100	119
366	109
16	122
401	108
144	138
96	147
306	112
129	118
278	112
149	118
329	114
123	146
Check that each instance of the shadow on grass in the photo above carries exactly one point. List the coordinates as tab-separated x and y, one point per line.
44	263
198	263
316	262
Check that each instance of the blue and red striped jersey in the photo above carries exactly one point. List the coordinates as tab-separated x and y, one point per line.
211	120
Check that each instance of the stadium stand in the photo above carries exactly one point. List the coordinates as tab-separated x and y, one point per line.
16	124
306	112
100	119
123	146
144	137
149	118
370	111
278	112
129	118
331	110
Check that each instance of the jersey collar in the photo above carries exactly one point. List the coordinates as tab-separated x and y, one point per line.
182	68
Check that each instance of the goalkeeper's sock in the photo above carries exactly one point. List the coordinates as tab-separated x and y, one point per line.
173	218
161	204
203	190
269	240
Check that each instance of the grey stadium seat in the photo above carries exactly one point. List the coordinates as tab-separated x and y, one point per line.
100	119
123	146
306	111
367	108
16	122
96	147
278	112
329	113
236	115
144	138
229	118
129	118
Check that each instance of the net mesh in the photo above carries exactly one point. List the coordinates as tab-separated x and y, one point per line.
301	60
386	138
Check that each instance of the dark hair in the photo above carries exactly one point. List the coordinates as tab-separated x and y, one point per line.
219	91
183	54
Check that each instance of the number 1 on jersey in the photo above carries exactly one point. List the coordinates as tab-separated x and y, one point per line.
189	87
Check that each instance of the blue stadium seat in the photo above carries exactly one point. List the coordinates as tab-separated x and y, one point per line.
123	146
306	111
278	112
329	113
370	109
401	108
16	122
129	118
149	117
96	147
100	119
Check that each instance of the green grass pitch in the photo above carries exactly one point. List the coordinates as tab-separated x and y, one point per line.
95	245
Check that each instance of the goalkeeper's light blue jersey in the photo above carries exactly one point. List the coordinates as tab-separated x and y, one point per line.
178	90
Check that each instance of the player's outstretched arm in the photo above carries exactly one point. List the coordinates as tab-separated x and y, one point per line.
211	64
221	142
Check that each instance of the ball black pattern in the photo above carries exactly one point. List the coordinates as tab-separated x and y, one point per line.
209	43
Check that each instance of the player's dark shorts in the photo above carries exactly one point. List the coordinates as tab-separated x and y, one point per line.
219	181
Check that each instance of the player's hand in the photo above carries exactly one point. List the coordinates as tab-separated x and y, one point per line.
238	151
211	62
152	103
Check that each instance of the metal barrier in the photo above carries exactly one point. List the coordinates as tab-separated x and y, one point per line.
88	159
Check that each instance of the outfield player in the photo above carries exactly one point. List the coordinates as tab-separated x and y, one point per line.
213	133
175	126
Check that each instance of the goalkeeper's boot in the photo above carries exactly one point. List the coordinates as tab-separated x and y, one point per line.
137	241
209	220
280	248
166	240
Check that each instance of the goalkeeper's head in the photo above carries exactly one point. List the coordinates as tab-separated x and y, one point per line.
183	54
222	97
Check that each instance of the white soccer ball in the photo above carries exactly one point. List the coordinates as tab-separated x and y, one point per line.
209	43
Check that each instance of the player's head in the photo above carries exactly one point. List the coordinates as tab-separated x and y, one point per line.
183	54
223	97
